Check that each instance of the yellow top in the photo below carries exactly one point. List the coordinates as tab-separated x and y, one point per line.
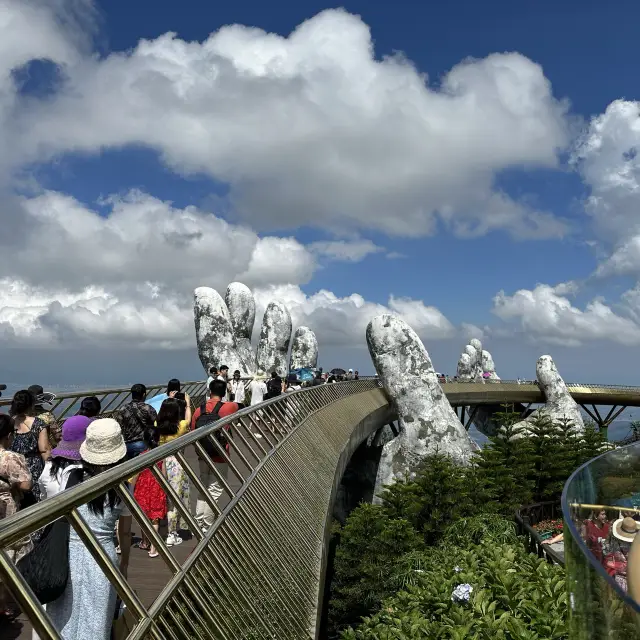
183	427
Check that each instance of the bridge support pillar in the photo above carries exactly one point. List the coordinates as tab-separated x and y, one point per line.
467	420
603	423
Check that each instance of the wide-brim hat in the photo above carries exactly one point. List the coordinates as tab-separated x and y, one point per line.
42	398
74	432
104	443
625	529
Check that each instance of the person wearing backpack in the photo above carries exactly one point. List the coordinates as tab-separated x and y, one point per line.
274	386
204	416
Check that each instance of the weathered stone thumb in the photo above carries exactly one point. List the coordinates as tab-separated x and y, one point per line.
559	406
428	423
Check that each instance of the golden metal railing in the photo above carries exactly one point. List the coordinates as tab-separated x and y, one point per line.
257	572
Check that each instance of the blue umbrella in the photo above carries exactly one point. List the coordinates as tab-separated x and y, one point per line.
156	401
304	374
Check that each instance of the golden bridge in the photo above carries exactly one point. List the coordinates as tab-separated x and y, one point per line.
259	571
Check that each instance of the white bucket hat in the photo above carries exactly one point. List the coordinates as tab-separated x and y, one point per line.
103	443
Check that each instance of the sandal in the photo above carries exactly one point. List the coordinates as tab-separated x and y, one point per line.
153	555
144	547
118	550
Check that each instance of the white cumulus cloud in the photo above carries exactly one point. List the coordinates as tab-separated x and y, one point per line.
345	250
343	321
311	128
546	313
607	158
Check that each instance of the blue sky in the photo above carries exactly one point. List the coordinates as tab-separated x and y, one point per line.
528	122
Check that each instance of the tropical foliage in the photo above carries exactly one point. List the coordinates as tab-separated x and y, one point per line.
488	591
439	557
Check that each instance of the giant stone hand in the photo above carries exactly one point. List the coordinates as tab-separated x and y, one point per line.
476	365
559	403
428	422
224	329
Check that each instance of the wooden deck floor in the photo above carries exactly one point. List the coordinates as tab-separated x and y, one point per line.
147	576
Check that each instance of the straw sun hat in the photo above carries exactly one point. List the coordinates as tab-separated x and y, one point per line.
104	443
625	529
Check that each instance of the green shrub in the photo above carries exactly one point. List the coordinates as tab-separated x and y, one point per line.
370	545
441	492
515	596
505	471
487	527
446	515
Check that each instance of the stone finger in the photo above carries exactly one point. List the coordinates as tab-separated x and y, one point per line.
559	406
428	422
214	333
275	336
242	313
304	349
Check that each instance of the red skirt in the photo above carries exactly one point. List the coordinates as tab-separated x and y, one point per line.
149	495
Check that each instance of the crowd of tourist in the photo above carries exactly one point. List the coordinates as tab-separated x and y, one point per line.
41	456
610	542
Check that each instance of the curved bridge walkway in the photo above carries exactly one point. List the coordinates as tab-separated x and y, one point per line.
467	396
259	571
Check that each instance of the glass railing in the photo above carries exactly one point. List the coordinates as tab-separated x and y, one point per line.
601	510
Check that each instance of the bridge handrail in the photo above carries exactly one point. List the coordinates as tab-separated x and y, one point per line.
120	395
275	420
527	516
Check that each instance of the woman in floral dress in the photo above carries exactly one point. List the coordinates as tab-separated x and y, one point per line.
30	439
15	478
173	421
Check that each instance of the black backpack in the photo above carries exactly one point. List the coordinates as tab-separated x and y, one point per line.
46	568
274	387
205	419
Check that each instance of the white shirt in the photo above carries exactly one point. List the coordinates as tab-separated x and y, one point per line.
294	387
52	486
237	388
258	390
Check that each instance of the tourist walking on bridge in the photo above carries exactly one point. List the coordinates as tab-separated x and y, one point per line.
30	439
15	478
293	384
275	386
64	458
85	610
204	415
173	387
236	388
42	409
174	420
137	420
258	388
223	375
